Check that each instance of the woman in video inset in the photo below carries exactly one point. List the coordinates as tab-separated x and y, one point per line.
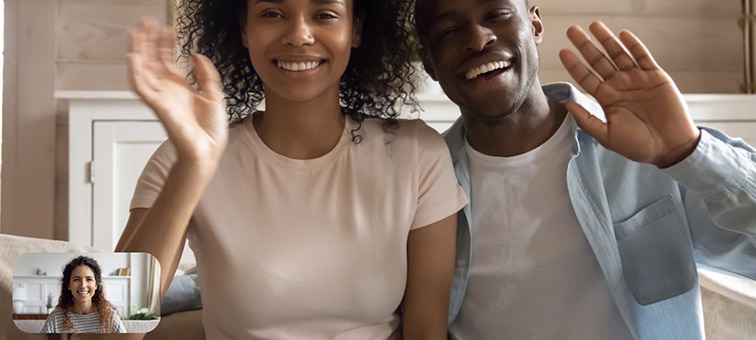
82	307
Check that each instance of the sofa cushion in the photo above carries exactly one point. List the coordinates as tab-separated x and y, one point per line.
182	295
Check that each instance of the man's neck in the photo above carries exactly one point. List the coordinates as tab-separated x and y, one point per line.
532	124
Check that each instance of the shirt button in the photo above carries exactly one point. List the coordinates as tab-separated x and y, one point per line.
461	263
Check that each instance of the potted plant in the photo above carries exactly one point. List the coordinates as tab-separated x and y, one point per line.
143	315
49	303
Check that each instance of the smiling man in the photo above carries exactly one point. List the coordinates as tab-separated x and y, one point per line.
586	221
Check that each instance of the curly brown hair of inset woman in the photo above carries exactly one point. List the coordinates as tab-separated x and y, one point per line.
66	299
378	81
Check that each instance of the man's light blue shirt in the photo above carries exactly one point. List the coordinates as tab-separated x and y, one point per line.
649	228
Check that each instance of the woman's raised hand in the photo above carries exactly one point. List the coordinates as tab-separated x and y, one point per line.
195	119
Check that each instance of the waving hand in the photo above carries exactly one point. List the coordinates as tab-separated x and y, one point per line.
195	120
647	119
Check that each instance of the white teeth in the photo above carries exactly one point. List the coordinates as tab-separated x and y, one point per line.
298	66
485	68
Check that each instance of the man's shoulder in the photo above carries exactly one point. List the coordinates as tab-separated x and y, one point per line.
454	137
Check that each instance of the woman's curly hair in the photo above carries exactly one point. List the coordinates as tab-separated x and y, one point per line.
106	310
378	81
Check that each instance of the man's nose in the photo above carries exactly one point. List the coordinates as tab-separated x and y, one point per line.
298	33
479	37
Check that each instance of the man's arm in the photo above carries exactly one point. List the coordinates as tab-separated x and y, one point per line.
648	121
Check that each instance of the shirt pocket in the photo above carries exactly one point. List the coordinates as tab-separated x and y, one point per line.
656	252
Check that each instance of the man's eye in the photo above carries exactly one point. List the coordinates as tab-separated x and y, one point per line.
499	15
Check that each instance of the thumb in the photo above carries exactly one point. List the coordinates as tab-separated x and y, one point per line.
589	123
208	78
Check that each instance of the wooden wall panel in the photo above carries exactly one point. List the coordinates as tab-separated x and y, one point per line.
688	82
95	77
97	31
678	44
645	8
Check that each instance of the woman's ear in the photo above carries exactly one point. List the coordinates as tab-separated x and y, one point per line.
357	30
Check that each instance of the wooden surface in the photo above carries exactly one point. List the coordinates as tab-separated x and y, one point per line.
29	316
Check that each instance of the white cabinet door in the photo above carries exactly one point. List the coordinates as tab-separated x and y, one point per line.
120	151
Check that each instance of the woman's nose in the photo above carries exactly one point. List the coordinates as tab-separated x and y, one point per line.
298	33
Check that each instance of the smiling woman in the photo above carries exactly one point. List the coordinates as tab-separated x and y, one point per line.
323	215
82	306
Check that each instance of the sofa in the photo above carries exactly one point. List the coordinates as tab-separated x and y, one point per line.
179	325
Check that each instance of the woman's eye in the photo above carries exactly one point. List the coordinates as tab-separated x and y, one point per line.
448	31
326	16
271	14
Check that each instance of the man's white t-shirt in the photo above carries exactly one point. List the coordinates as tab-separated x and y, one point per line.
312	249
533	274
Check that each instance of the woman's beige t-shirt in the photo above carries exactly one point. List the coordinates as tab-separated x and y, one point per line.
316	249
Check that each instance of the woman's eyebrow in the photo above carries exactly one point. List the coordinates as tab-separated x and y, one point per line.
319	2
326	2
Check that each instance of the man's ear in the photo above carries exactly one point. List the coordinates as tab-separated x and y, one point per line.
535	20
427	66
357	30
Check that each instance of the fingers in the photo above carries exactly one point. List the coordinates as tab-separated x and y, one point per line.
208	78
582	75
165	49
613	47
152	56
589	123
141	77
618	55
592	54
638	50
136	69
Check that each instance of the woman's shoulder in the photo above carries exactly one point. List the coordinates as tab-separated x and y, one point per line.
57	311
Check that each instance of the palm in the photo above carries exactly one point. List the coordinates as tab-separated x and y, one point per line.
194	120
647	119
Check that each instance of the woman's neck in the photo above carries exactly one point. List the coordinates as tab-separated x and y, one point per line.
83	307
300	130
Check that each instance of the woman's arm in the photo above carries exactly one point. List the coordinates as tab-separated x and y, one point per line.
161	230
430	268
197	126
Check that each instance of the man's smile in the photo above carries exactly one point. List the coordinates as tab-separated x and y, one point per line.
486	68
